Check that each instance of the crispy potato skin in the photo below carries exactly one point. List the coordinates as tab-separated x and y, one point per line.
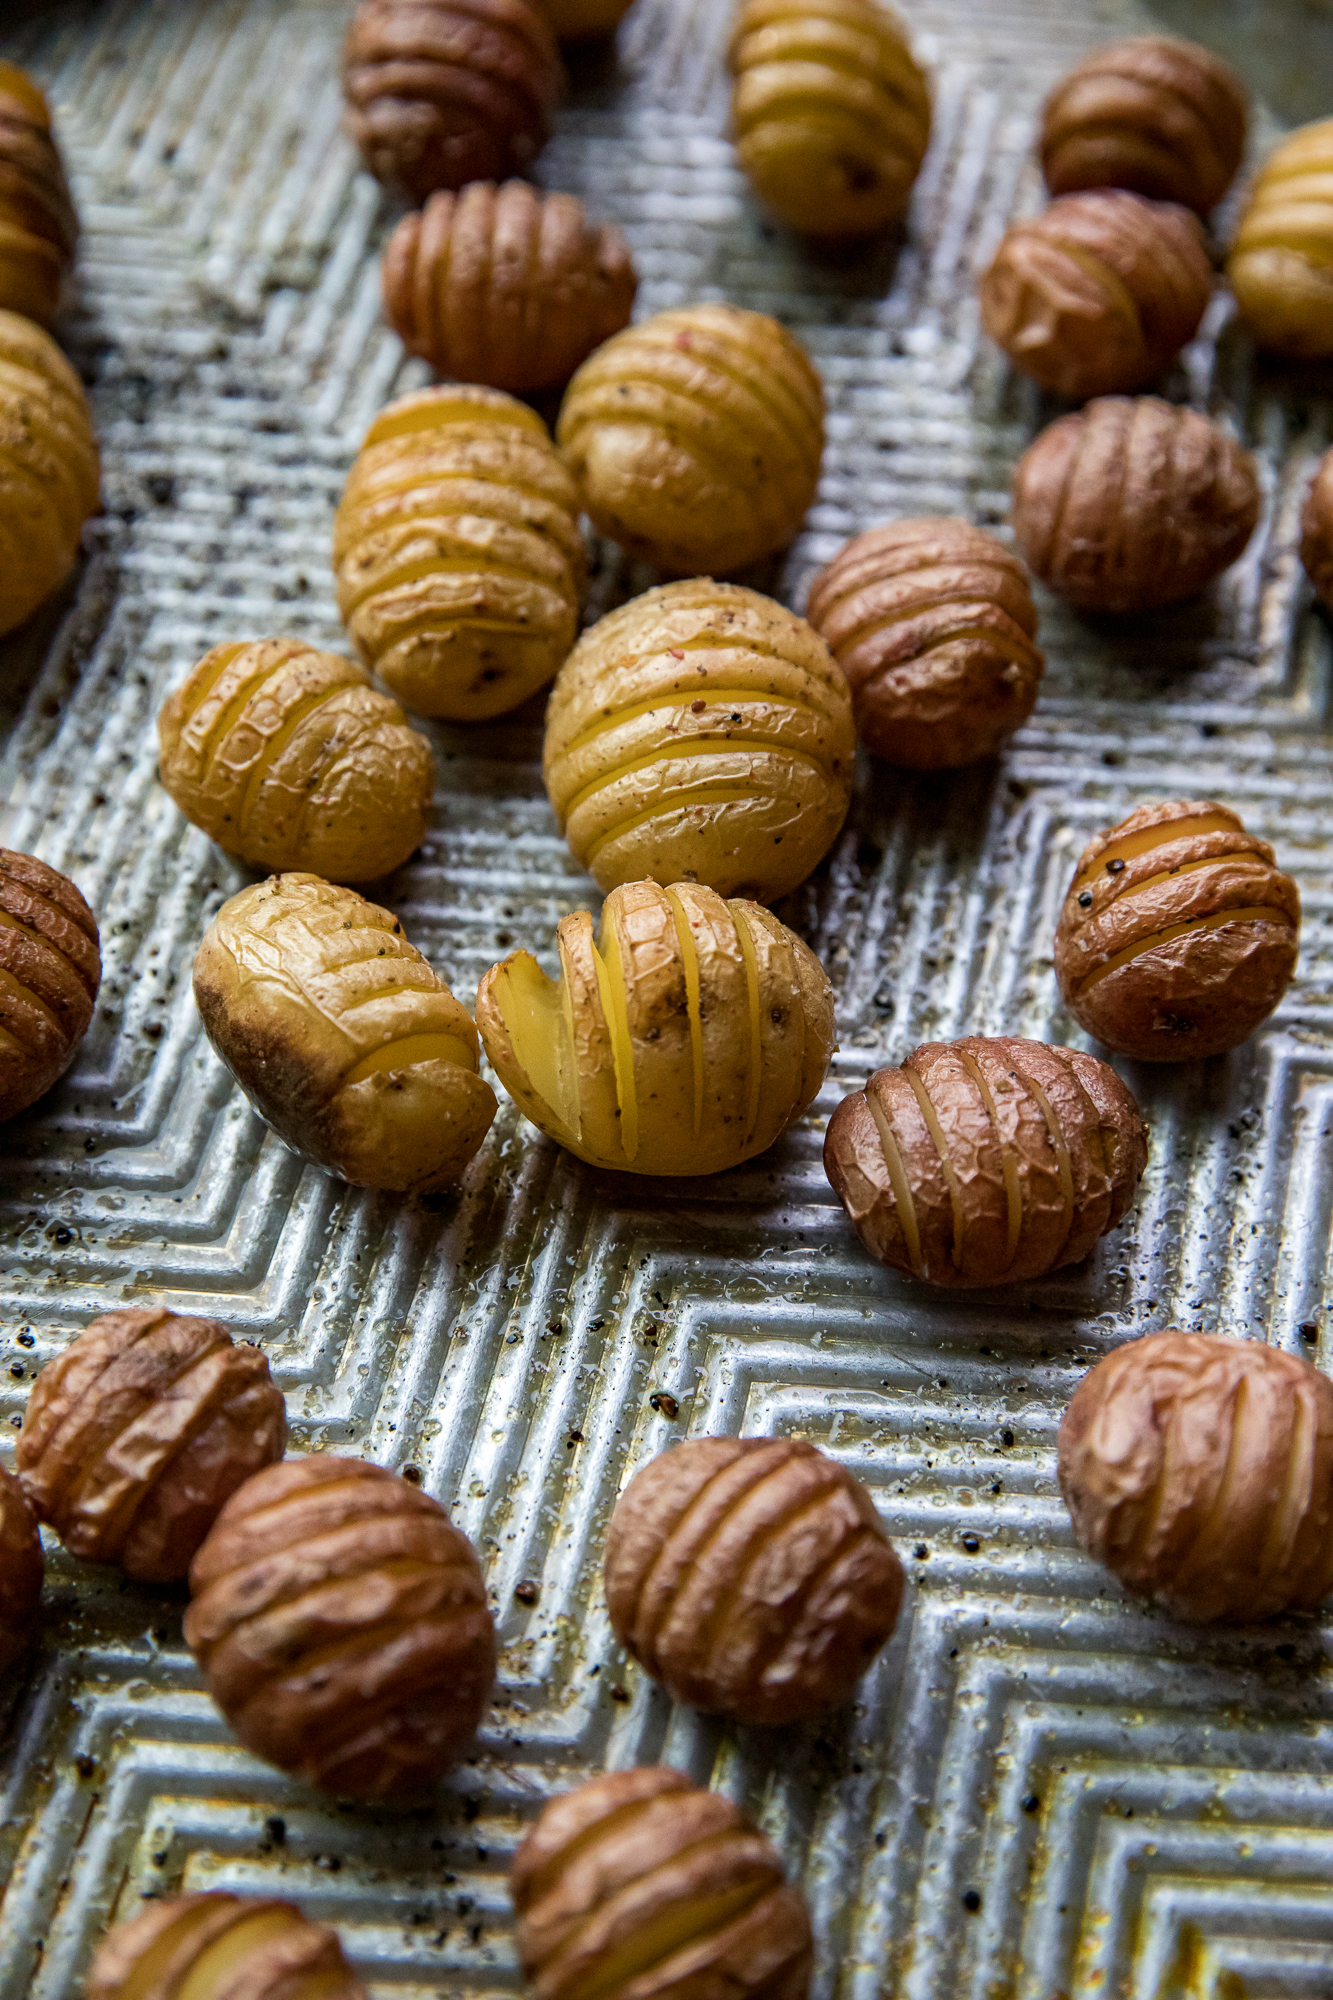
986	1162
50	972
830	112
1178	935
690	1033
1098	295
1200	1470
787	1541
1281	263
340	1621
1156	114
1317	530
457	552
933	623
225	1946
507	285
674	1881
49	468
288	758
442	92
21	1571
135	1436
701	733
579	20
299	985
1133	503
696	438
39	230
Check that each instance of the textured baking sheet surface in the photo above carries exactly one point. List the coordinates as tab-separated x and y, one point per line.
1043	1790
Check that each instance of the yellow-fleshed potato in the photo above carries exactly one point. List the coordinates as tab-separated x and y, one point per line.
1281	265
39	229
702	733
289	758
49	468
342	1036
696	438
831	112
457	552
681	1038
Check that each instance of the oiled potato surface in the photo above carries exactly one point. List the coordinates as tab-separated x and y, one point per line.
680	1039
702	733
341	1034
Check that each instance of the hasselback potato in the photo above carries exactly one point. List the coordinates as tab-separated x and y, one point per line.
1281	263
986	1162
933	623
702	733
39	229
696	438
457	552
442	92
135	1436
50	972
681	1038
341	1035
507	286
830	112
289	758
1156	114
340	1622
220	1947
49	468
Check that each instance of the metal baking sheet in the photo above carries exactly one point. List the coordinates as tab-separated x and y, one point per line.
1043	1790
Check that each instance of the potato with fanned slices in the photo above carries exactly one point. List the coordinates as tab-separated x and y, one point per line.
342	1036
680	1039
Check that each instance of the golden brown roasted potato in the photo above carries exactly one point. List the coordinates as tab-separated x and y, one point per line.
38	227
49	468
1178	934
1156	114
442	92
509	285
1200	1470
983	1162
1281	264
220	1947
639	1883
340	1621
701	733
342	1036
830	112
696	438
50	971
682	1039
289	758
21	1571
1133	503
1099	294
135	1436
933	623
458	554
751	1576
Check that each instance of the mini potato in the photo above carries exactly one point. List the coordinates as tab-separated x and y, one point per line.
49	468
289	758
342	1036
457	551
681	1039
702	733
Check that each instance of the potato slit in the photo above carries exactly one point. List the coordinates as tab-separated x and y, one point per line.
615	1008
409	1049
10	983
1201	1548
756	1033
273	749
668	1931
786	408
479	564
677	698
938	1140
695	745
689	959
1294	1501
1060	1147
1250	913
143	1976
1192	826
219	1961
1012	1191
695	795
1189	868
200	691
901	1185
